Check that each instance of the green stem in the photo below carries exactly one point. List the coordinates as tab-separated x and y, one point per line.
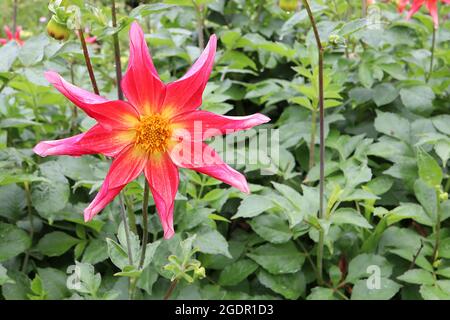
87	59
117	51
125	226
14	18
30	218
322	142
130	213
437	232
144	224
363	8
200	24
433	46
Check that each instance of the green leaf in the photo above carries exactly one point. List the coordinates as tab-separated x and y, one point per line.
56	243
96	251
290	286
117	254
12	201
384	93
441	123
418	99
278	258
17	290
417	276
365	75
429	170
350	216
147	279
444	248
89	281
212	242
32	51
54	283
236	272
149	253
147	9
440	291
293	196
8	54
393	125
252	206
359	267
272	228
129	271
50	197
13	241
388	289
4	276
427	197
319	293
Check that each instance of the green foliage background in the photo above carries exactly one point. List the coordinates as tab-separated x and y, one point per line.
387	152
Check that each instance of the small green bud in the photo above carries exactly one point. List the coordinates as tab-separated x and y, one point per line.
443	196
288	5
334	39
57	30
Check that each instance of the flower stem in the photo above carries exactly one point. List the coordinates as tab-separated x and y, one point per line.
123	213
437	231
117	51
14	17
169	292
200	24
144	224
30	218
363	8
433	46
125	226
88	61
322	142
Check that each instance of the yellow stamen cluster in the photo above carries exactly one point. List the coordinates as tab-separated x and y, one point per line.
153	133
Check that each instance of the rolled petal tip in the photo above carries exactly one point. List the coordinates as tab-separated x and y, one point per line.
41	149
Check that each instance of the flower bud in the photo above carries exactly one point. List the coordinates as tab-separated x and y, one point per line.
57	30
443	196
289	5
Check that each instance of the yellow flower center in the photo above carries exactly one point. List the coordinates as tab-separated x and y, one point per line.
153	133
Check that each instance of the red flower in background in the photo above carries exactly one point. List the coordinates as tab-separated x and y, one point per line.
401	5
12	36
431	6
154	132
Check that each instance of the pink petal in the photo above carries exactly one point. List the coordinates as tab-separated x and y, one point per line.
17	33
67	146
202	158
200	125
95	140
432	7
141	83
8	33
91	39
107	142
162	177
3	41
414	8
110	114
186	93
125	168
